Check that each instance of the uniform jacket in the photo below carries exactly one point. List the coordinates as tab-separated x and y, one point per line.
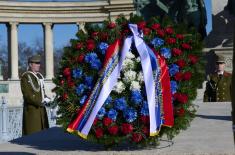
34	113
218	89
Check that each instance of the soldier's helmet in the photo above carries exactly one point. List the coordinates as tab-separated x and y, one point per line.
220	59
34	59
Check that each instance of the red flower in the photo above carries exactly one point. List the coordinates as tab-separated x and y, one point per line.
99	132
169	30
79	46
65	96
111	25
156	26
178	76
80	58
104	36
193	59
180	112
113	130
171	41
161	33
126	128
62	82
141	25
144	119
95	121
181	63
94	34
67	72
137	137
146	31
145	130
107	121
186	46
187	76
90	44
176	52
125	31
71	83
180	36
182	98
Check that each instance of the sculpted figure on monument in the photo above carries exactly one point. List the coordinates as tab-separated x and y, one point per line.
190	12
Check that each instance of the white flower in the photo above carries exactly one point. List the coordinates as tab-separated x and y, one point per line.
129	55
138	59
135	85
128	64
129	76
119	87
140	77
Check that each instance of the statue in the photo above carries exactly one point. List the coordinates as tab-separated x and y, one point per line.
190	12
231	6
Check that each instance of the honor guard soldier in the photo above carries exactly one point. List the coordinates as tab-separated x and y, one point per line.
32	87
218	86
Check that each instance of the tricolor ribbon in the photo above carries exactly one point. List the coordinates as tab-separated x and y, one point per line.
108	79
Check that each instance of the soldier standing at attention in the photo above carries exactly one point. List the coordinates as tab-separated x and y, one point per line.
32	86
218	86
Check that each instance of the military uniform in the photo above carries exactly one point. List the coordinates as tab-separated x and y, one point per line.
218	88
34	112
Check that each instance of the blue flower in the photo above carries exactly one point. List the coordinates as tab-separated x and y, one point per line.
96	64
93	60
157	42
77	73
101	113
112	114
174	86
173	69
103	47
80	89
90	57
83	100
89	81
130	115
108	100
120	104
144	109
166	52
136	97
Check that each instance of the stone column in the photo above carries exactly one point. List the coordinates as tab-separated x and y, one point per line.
13	48
48	45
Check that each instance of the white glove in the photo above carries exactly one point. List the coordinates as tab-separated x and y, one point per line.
46	100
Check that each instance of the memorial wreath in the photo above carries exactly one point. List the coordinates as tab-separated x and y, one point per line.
129	81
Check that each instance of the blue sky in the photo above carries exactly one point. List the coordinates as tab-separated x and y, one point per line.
62	32
28	33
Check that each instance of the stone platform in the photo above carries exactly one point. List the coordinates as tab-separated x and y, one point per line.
209	133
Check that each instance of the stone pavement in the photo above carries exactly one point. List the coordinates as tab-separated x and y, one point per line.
210	133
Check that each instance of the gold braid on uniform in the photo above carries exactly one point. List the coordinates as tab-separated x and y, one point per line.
32	85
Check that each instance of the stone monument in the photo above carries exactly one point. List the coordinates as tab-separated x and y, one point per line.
220	39
1	67
190	12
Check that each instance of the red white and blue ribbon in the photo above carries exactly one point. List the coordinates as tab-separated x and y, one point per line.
111	71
